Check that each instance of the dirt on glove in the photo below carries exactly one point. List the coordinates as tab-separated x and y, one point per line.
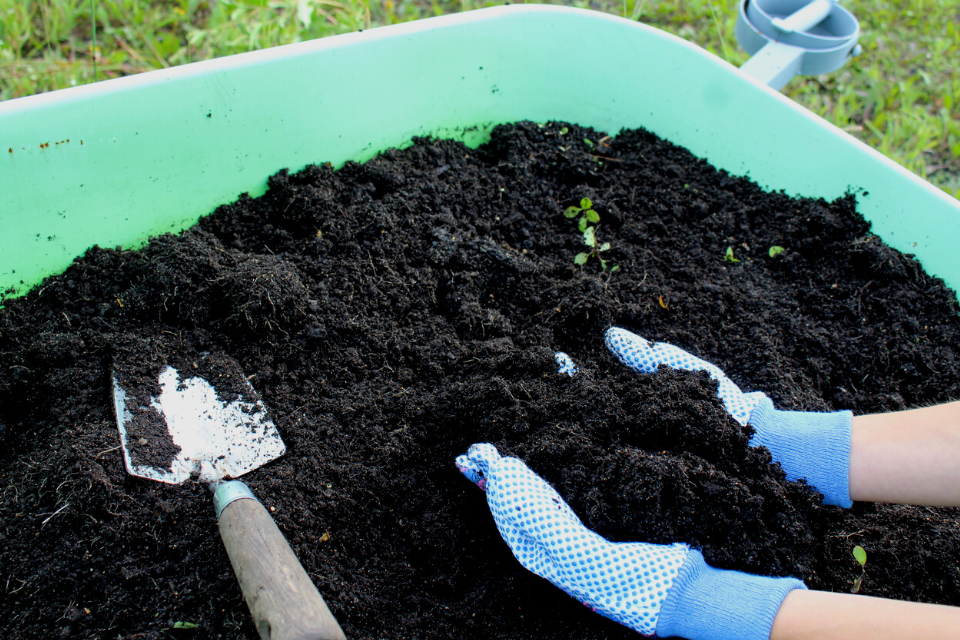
394	312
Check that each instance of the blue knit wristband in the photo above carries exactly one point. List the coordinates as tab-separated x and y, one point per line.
809	446
713	604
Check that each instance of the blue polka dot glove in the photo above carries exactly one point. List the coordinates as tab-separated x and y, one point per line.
811	446
565	364
662	590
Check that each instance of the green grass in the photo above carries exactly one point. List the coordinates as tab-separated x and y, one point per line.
901	96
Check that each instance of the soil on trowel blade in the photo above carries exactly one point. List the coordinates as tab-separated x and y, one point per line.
394	312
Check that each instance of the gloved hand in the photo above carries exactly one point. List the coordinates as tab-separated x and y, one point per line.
811	446
565	363
663	590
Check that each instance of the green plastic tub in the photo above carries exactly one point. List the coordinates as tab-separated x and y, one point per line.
116	162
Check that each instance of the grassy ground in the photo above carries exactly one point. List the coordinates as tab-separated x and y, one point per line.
901	96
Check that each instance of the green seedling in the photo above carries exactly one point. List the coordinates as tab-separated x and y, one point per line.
860	555
590	239
184	625
729	257
775	251
586	215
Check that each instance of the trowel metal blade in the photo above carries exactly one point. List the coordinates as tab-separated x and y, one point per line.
216	439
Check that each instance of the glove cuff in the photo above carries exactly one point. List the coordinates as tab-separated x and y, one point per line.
713	604
809	446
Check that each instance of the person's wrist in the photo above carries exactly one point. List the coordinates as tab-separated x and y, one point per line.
809	446
704	603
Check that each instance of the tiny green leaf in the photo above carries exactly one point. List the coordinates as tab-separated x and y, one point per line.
581	258
582	225
184	625
564	131
614	268
604	247
729	257
572	212
860	554
586	204
588	142
593	216
589	237
775	251
603	264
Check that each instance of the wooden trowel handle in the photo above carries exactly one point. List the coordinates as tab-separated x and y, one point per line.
283	600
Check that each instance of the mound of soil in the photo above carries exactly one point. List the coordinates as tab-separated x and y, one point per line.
394	312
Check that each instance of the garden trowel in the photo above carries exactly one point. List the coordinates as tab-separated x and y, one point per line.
176	427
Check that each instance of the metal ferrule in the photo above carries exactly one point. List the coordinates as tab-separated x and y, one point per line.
228	492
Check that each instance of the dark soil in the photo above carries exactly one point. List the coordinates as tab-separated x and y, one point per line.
395	312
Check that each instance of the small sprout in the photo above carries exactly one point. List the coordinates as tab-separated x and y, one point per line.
586	207
184	625
729	257
586	213
775	251
860	555
588	142
587	216
662	303
564	131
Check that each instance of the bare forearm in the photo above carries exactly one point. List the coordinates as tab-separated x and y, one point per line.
907	457
821	615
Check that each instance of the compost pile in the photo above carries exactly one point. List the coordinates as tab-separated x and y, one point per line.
394	312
